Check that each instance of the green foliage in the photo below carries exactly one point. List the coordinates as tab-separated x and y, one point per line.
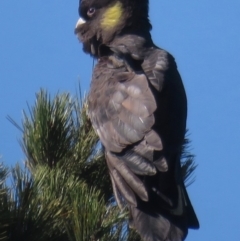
47	133
50	205
3	199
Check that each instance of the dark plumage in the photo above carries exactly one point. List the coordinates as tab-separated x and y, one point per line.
138	107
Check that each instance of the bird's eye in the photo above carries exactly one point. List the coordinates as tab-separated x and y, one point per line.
90	12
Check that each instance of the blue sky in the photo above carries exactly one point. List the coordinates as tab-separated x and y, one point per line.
38	49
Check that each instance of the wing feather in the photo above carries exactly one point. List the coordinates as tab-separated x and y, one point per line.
130	178
125	190
125	114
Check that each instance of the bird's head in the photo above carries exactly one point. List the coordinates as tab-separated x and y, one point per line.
102	20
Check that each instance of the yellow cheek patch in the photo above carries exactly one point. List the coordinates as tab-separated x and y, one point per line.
112	16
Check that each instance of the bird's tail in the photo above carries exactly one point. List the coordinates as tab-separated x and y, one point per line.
156	224
155	227
155	214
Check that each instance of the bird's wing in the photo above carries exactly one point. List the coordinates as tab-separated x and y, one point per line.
121	108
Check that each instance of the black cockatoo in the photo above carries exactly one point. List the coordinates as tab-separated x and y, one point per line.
138	107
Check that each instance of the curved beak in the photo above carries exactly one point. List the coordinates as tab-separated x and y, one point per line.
78	24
